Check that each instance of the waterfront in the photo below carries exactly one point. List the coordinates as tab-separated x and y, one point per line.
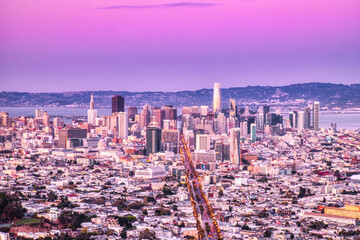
343	120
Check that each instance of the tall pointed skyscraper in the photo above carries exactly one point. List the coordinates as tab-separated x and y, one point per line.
216	98
92	113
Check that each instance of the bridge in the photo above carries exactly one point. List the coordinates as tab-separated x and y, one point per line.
206	223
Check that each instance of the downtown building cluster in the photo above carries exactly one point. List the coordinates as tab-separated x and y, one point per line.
121	175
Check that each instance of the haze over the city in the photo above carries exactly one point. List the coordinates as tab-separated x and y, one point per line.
170	45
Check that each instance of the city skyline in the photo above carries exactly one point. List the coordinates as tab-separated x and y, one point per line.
164	119
171	46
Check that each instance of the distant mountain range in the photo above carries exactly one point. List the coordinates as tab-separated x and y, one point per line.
330	95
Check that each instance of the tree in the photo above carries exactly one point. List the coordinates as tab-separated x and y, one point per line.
73	219
123	233
302	192
147	234
10	208
19	168
189	237
267	233
167	191
52	196
245	227
221	193
207	226
263	214
136	206
149	199
263	180
120	204
145	212
162	212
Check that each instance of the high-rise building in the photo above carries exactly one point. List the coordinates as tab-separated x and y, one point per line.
274	119
307	117
170	112
235	146
46	119
153	140
232	108
253	132
147	107
57	122
219	149
92	113
301	120
292	116
173	114
204	111
39	113
221	123
316	109
170	140
244	128
69	138
159	117
186	111
132	111
195	111
202	142
261	118
144	118
4	119
118	104
216	98
123	126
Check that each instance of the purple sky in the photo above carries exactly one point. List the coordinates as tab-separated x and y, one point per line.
135	45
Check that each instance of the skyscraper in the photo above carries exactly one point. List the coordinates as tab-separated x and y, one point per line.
307	117
204	110
316	109
153	140
244	128
132	111
216	98
261	116
118	104
235	146
232	109
144	118
123	125
92	113
46	119
301	120
159	116
170	139
69	138
186	111
266	110
221	123
253	132
4	119
172	114
39	113
202	142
